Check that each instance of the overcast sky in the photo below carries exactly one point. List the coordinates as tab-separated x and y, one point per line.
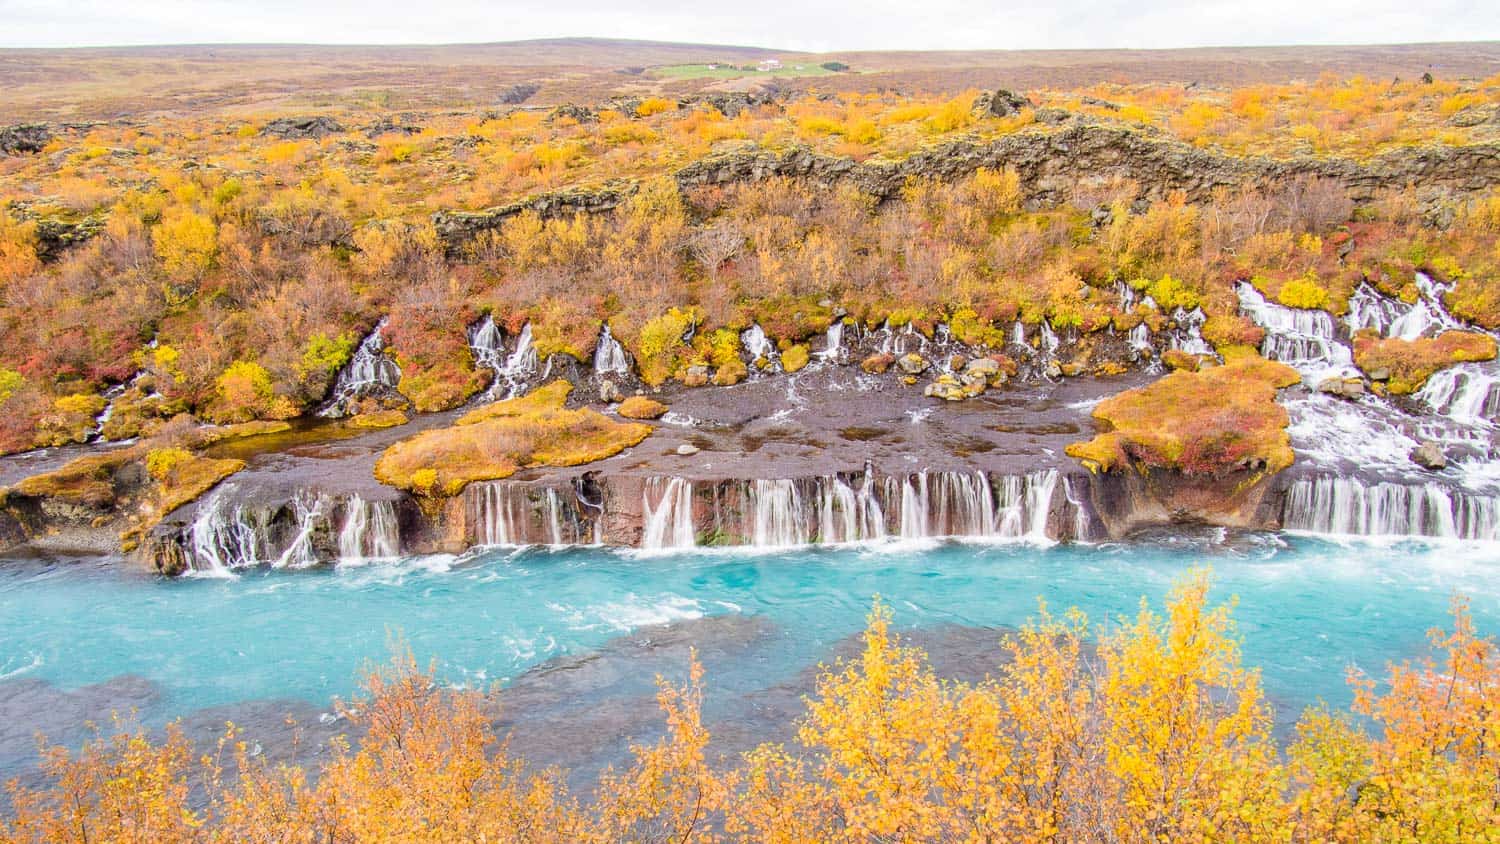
816	25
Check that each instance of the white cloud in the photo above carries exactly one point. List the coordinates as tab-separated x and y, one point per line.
788	24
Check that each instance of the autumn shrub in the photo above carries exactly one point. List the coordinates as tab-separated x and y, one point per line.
1407	364
499	439
244	392
641	407
1302	293
1211	421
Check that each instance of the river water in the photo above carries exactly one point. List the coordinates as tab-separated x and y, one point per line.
1308	610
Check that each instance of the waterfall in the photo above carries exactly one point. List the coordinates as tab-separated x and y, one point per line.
834	342
609	355
1140	338
914	507
759	349
514	513
514	373
370	531
779	519
1301	338
669	523
1188	334
221	539
1024	503
307	510
960	504
847	515
1018	335
487	345
369	371
1049	342
1350	507
1082	527
1465	392
1390	317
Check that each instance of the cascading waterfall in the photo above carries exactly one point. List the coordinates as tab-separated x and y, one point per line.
1049	341
511	513
1466	392
833	350
487	345
309	514
846	514
669	522
759	350
514	374
1351	507
1188	334
609	355
1140	338
370	370
1300	338
370	531
778	519
222	538
1083	530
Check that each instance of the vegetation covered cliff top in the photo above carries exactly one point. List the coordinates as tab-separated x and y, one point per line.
227	265
497	440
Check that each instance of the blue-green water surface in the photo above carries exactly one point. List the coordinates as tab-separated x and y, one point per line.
1307	609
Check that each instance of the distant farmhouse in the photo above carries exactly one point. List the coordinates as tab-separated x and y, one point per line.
769	65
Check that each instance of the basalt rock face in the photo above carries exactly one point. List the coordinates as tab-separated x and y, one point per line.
300	128
731	103
24	138
53	236
1129	500
459	227
1051	164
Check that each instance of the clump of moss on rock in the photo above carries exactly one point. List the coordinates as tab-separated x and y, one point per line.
497	440
1407	364
1214	421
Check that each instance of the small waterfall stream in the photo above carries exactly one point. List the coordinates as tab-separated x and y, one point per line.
370	371
760	351
516	513
513	372
609	355
1304	339
370	531
669	522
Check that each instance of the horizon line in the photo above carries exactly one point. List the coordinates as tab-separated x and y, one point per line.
645	42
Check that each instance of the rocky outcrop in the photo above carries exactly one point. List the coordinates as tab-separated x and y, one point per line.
459	227
314	127
731	103
999	103
578	113
1129	501
55	235
387	126
517	94
1050	163
24	138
